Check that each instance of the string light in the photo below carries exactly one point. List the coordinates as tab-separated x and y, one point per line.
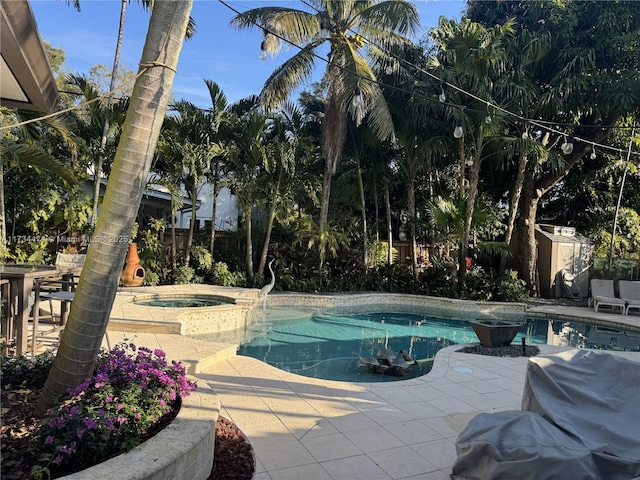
442	97
567	146
458	131
593	152
263	50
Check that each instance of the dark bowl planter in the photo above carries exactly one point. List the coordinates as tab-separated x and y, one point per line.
495	333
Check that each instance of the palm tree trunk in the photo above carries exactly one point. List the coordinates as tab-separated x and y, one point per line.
174	248
249	254
270	221
474	178
387	204
513	206
363	211
91	307
192	226
411	205
214	209
105	130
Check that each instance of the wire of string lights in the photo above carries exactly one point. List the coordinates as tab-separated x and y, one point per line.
537	122
542	124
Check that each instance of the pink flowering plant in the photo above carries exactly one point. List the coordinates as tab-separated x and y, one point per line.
118	407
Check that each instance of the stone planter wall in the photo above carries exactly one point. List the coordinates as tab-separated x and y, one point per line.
182	451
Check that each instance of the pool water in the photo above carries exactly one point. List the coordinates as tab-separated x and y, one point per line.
333	346
181	302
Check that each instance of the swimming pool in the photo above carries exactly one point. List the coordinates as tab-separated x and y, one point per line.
336	344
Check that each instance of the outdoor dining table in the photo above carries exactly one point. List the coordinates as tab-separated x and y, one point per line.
21	278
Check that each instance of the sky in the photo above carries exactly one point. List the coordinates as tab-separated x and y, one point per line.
217	52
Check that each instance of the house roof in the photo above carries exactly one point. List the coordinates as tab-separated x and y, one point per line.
26	80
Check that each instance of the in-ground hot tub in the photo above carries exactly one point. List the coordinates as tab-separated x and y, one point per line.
184	313
167	300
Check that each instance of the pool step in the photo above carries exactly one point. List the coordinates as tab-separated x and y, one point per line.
223	351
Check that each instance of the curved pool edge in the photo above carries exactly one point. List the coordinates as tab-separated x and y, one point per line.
183	321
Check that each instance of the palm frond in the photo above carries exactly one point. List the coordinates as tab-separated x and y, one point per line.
288	76
297	26
35	156
397	16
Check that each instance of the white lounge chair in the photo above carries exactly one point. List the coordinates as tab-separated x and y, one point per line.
602	294
630	293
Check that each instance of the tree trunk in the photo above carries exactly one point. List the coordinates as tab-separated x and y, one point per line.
174	247
214	194
105	130
514	200
91	307
192	226
527	251
411	205
474	178
324	213
270	221
387	204
267	239
249	255
363	211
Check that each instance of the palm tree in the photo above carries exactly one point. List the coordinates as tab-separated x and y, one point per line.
218	115
281	167
89	315
192	144
352	86
472	57
247	160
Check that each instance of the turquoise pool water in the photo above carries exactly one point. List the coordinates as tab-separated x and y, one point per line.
334	345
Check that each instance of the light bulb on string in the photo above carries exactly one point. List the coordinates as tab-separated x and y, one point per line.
458	132
567	146
525	135
593	153
263	50
488	119
442	97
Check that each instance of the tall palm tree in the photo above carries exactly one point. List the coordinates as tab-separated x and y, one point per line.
218	115
193	148
472	57
351	81
89	315
250	154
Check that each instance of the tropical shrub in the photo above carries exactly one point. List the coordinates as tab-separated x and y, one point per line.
510	288
183	275
25	372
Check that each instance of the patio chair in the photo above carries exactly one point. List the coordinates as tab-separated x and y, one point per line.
60	289
630	293
602	294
